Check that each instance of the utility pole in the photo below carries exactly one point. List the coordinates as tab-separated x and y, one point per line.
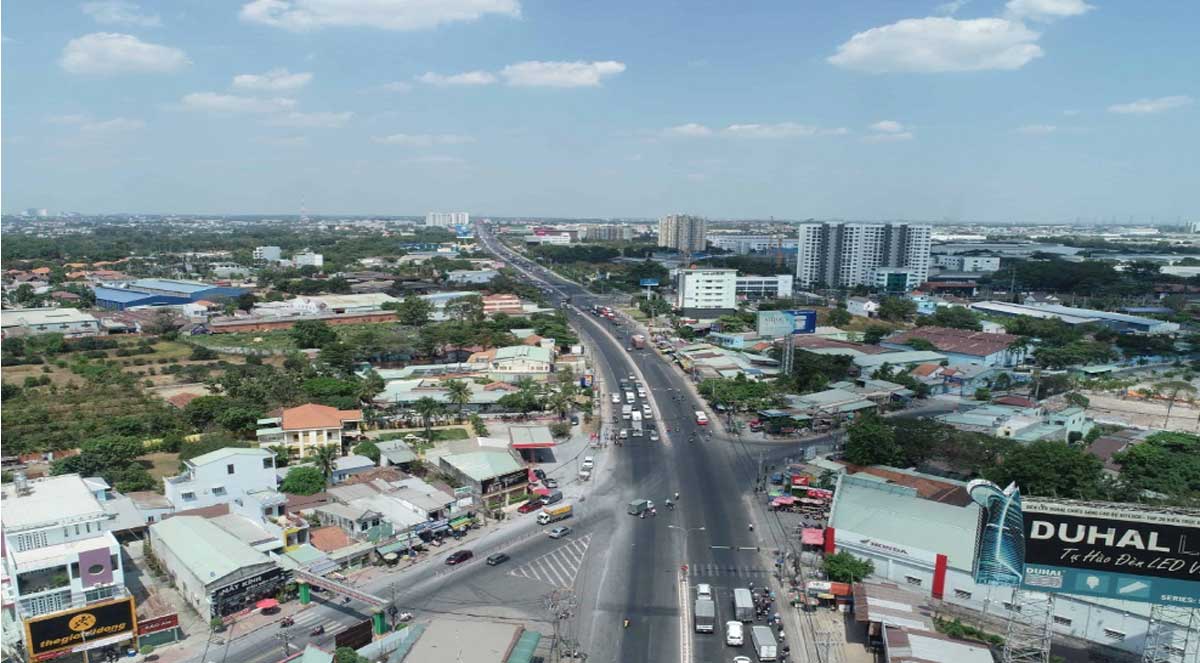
285	636
561	605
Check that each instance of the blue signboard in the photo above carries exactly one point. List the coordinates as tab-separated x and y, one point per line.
803	322
648	283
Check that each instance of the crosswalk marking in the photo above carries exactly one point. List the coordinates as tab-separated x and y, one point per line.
559	567
707	570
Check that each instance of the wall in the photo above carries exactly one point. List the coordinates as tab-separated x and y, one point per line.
248	475
234	326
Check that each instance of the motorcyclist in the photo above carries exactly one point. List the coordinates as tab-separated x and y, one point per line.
676	497
751	526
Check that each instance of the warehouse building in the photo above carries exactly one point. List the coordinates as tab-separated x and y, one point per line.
1120	322
161	292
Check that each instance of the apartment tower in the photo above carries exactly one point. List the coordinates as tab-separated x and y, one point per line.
847	254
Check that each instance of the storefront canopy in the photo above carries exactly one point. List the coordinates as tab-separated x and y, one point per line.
783	501
812	536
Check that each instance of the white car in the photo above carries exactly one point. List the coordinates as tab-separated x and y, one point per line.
588	463
616	399
735	634
624	434
654	436
704	591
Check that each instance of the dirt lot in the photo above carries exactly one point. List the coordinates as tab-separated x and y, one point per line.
161	464
1105	408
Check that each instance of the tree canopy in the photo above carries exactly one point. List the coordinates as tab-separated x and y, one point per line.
303	480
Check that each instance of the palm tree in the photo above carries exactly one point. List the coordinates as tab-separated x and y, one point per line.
428	409
560	400
459	393
325	459
1171	389
1019	348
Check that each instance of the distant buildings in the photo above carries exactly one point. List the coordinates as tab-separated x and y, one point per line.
447	219
267	253
473	276
307	258
698	290
682	232
753	288
967	263
160	292
745	244
848	254
1077	316
964	346
896	280
610	233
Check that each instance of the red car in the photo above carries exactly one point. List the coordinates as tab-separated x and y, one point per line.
530	506
458	557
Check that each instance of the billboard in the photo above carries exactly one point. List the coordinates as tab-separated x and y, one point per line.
803	322
648	283
774	324
73	630
1119	551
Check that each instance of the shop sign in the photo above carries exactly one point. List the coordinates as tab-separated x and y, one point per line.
64	631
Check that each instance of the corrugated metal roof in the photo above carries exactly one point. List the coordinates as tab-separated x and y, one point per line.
208	551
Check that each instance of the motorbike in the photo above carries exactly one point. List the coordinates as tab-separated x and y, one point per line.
286	622
320	630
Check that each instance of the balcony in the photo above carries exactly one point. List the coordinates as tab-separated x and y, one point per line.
43	580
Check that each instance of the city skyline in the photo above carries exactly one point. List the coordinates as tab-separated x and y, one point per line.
1025	110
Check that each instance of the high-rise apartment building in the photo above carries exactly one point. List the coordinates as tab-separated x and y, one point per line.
682	232
610	233
447	219
847	254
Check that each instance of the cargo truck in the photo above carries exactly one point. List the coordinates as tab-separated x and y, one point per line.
764	643
555	513
705	614
639	341
743	605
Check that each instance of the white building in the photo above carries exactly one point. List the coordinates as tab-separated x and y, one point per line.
221	476
368	302
57	551
69	322
556	239
863	307
521	359
268	253
706	289
962	263
744	244
308	258
610	233
447	219
909	538
474	276
682	232
754	288
847	254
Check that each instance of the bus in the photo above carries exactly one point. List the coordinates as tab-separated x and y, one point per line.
701	418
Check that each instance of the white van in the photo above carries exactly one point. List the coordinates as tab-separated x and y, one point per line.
624	434
735	634
616	398
629	397
626	411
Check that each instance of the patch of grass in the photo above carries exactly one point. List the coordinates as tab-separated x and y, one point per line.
444	434
270	341
161	464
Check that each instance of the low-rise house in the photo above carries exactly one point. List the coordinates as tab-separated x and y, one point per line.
347	466
863	307
502	303
395	453
868	364
493	473
220	476
304	429
519	360
1021	424
403	393
704	360
964	346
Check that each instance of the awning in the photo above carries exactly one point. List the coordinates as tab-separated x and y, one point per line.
461	522
405	542
783	501
820	493
812	536
267	604
523	651
540	490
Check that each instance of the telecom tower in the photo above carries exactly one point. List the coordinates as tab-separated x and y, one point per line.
1173	635
1027	634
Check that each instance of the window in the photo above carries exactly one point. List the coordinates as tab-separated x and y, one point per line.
913	580
1114	634
229	468
961	594
188	496
218	490
268	463
1062	621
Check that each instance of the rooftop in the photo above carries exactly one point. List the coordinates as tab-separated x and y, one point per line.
181	287
52	500
43	316
312	415
524	352
958	341
481	465
229	452
208	551
450	641
899	358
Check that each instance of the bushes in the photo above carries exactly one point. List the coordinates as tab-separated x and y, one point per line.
560	429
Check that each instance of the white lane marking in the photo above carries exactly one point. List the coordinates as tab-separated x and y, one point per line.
685	624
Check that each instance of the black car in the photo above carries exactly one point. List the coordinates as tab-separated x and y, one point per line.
497	558
458	557
540	474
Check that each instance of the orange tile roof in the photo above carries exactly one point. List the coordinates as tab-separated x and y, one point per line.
40	270
925	370
311	415
328	539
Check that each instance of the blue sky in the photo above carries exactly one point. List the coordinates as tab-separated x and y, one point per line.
1025	110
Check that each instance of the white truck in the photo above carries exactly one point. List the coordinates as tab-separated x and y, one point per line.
764	643
636	423
705	614
743	605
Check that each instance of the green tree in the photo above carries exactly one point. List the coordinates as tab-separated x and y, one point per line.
325	459
897	309
370	386
845	567
983	394
1167	463
1002	382
347	655
458	393
303	480
1049	468
367	448
871	441
413	311
838	317
282	457
427	409
956	317
479	426
921	344
312	334
874	334
338	356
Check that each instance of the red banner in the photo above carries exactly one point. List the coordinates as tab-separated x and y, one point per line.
156	624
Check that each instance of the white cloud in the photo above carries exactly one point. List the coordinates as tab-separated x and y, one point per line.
689	130
283	141
560	74
1147	106
1045	10
105	53
114	125
465	78
779	130
118	12
307	15
423	140
275	80
1036	129
215	102
394	86
887	127
888	138
950	8
936	44
312	120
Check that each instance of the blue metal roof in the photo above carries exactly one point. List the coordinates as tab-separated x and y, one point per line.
182	287
121	295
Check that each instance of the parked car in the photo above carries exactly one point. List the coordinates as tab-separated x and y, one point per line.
654	436
497	558
530	506
458	557
539	473
550	483
559	532
616	399
588	463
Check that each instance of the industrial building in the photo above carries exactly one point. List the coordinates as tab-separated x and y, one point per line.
848	254
1120	322
161	292
70	322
